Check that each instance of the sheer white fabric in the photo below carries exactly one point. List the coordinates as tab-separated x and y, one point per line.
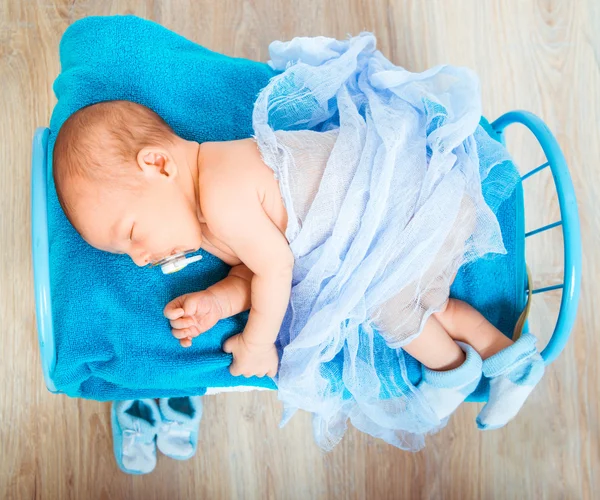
381	171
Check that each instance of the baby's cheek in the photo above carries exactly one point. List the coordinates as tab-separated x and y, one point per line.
186	232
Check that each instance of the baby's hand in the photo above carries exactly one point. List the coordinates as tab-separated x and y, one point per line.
251	359
193	314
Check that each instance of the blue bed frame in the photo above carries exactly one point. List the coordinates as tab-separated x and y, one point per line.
555	161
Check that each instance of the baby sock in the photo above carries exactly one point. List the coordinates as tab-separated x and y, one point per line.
446	390
178	433
513	373
134	424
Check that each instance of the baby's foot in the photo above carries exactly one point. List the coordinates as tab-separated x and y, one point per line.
513	373
446	390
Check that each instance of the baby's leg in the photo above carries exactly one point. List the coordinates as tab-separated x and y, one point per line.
465	324
451	370
513	368
435	349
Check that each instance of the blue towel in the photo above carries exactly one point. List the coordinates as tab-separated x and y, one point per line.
111	339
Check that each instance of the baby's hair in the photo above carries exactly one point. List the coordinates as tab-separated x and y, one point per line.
100	143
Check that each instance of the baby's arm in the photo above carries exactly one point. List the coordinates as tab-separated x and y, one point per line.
235	215
233	293
195	313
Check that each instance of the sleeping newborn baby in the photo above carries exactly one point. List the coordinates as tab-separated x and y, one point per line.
344	221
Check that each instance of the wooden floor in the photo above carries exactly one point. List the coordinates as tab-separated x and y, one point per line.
540	55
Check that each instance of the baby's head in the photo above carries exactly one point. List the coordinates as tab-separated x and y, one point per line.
127	182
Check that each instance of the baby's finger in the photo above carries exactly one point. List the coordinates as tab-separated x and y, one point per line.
228	345
187	342
190	306
194	332
272	372
234	369
180	323
173	311
181	333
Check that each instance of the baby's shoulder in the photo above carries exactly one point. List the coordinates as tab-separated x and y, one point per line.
231	163
231	175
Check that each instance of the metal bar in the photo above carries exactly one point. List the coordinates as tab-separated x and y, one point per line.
542	229
547	289
571	228
41	256
535	170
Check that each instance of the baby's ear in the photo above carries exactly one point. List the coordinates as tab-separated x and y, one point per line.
153	161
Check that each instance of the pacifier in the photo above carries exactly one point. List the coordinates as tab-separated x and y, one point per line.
177	262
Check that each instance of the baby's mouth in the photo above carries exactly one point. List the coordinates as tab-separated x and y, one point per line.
176	261
167	258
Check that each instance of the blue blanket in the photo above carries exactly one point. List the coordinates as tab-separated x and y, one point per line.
111	339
